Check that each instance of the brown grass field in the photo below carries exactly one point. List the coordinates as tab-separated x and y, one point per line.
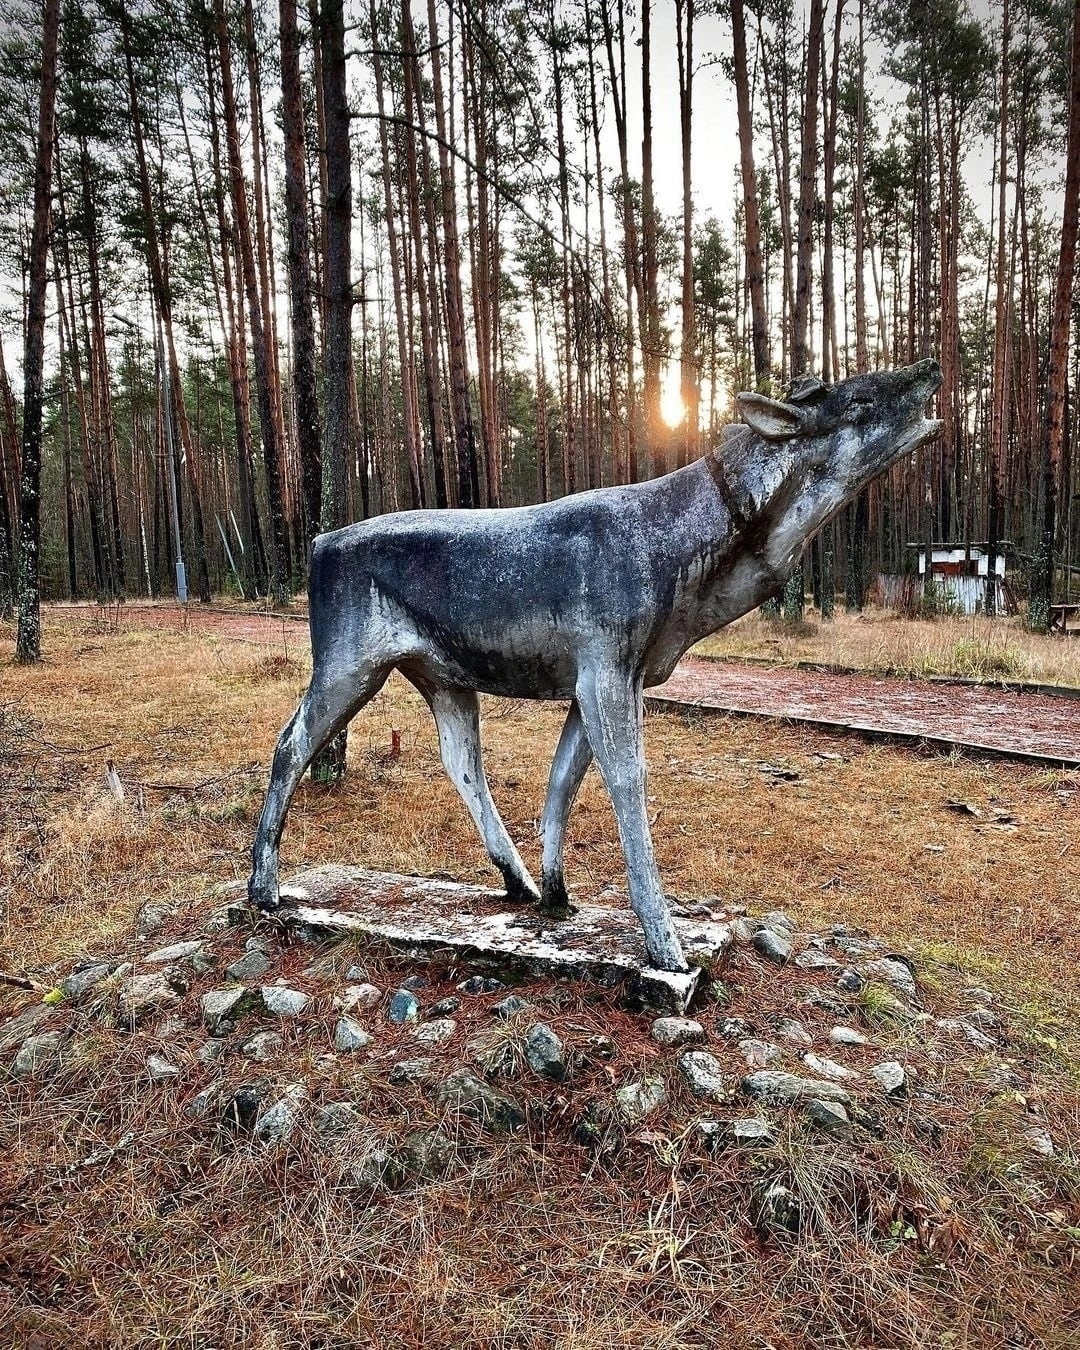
538	1242
884	641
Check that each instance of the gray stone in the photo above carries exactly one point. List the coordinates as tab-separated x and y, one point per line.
776	919
853	947
141	996
263	1046
782	1089
743	929
850	981
37	1053
1001	1078
827	1068
251	966
160	1070
793	1031
677	1031
349	1035
428	1153
436	1031
777	1209
364	996
278	1121
335	1119
257	943
828	1116
750	1132
636	1101
815	960
470	1096
890	1077
203	1101
510	1006
847	1036
222	1008
734	1028
80	982
983	1018
404	1007
757	1053
1038	1141
773	946
179	951
445	1007
415	982
895	972
412	1071
545	1053
481	984
152	918
284	1002
375	1168
962	1027
705	1075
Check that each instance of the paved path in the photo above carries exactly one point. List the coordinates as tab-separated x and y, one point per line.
987	718
1019	725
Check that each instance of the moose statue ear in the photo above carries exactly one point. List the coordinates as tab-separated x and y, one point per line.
769	418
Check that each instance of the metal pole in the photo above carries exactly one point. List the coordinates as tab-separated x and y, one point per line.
166	407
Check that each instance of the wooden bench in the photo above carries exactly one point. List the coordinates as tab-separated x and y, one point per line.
1060	615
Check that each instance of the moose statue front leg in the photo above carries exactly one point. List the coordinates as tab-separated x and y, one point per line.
611	709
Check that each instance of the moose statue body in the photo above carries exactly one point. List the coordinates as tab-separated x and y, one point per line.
592	598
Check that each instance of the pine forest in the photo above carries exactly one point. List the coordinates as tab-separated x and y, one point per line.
267	269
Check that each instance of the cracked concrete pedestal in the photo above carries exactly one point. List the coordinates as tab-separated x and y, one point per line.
421	915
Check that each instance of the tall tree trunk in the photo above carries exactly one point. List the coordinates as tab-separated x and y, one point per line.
298	256
800	326
631	260
421	189
650	299
998	404
329	764
755	266
163	299
1053	430
412	430
279	550
468	485
28	630
689	377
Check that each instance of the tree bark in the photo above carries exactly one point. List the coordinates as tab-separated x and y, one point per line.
689	378
1053	430
298	258
279	551
755	266
800	325
28	629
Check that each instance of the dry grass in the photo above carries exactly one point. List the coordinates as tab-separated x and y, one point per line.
882	640
180	1240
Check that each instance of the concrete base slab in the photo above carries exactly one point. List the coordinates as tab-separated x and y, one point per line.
423	915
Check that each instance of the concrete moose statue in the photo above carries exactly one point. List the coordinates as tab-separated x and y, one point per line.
592	598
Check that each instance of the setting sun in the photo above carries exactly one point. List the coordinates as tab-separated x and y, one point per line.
672	407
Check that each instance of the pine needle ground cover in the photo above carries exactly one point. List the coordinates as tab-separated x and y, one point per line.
129	1218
